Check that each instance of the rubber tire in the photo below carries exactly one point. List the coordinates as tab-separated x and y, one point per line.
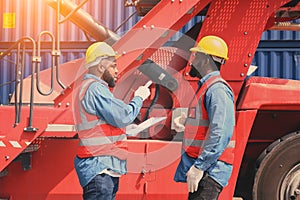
273	165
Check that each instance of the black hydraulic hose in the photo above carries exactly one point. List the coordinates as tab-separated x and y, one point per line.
124	21
156	95
7	83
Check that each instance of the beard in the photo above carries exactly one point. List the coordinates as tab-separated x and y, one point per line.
109	79
194	72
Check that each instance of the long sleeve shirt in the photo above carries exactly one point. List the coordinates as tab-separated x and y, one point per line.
219	103
99	101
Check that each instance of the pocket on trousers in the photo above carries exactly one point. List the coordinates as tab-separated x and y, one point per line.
90	187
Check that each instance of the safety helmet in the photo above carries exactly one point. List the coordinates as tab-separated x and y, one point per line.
96	52
212	45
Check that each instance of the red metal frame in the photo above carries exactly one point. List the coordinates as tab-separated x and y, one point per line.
240	23
153	30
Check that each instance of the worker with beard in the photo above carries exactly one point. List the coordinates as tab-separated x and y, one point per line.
208	138
101	120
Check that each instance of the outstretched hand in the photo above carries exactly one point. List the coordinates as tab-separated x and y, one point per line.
142	92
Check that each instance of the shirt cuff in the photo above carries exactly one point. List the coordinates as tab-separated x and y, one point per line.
138	100
201	165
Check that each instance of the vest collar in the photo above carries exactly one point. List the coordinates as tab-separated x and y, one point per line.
87	76
208	76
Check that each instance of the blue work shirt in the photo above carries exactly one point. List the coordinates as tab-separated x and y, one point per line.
219	103
99	101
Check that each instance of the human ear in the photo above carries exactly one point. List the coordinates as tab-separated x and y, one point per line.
101	68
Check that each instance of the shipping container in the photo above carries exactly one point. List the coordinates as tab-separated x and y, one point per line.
30	17
20	18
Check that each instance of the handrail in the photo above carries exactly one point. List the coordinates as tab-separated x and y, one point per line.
36	60
53	55
19	79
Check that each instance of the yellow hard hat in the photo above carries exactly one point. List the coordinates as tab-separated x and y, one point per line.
97	51
212	45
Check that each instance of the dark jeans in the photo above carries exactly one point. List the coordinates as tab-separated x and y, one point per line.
102	187
208	189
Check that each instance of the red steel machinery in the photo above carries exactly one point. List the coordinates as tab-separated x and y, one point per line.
37	135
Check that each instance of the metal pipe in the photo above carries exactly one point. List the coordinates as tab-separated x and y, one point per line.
56	53
126	20
20	74
9	50
286	26
73	11
85	21
17	121
38	65
21	81
34	60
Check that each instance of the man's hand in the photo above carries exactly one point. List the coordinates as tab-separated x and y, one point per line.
130	128
179	123
142	92
194	175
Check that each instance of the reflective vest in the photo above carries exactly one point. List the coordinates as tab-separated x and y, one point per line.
197	125
96	137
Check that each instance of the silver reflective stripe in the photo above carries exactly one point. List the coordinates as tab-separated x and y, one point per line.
83	88
193	143
199	143
89	125
197	122
102	140
82	115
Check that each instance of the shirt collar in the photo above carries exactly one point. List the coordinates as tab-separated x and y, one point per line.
87	76
208	76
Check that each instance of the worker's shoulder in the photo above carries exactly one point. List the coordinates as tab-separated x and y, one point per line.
218	84
219	87
98	86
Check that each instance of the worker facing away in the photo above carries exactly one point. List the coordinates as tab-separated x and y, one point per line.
208	139
100	121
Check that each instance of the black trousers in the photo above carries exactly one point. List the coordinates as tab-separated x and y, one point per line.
208	189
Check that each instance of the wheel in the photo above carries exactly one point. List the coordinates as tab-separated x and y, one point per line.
278	170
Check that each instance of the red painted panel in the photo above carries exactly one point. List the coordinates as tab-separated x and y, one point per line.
270	93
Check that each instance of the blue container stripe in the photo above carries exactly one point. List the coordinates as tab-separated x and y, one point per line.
279	64
34	16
